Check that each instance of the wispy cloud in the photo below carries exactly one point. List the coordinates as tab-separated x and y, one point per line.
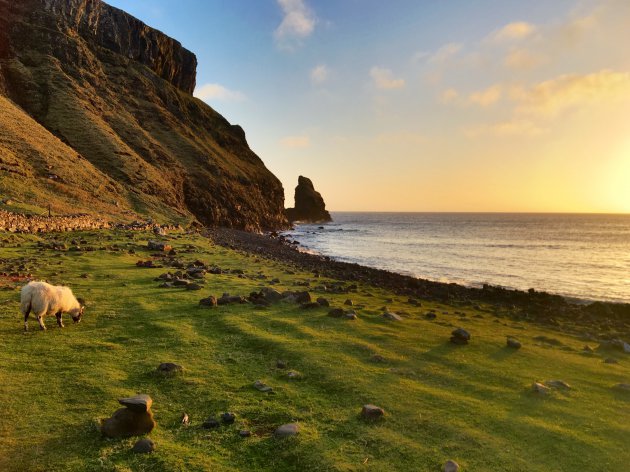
297	23
320	74
513	31
449	95
384	79
552	97
487	97
445	53
217	92
295	142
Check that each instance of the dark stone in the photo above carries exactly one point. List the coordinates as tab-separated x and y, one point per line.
309	204
372	412
228	418
323	302
244	433
348	302
169	368
303	297
460	336
210	301
513	343
144	446
336	313
211	423
193	286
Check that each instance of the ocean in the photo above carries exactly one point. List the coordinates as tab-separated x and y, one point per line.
581	256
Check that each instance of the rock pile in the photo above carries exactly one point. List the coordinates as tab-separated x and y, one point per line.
135	419
17	223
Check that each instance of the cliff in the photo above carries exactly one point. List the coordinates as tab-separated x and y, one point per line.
309	204
112	97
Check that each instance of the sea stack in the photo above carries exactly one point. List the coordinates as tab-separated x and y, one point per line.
309	204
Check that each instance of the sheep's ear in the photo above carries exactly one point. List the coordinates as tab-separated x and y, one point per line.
81	301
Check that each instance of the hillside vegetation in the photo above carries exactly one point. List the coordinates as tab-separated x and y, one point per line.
472	404
130	136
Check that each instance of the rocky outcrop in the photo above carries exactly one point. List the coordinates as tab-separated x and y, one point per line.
309	204
17	223
117	96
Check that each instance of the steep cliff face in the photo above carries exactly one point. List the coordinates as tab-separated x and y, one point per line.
118	93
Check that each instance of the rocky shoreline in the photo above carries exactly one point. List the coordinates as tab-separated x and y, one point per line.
597	320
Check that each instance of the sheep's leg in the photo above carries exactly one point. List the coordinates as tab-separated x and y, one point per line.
40	318
59	322
28	312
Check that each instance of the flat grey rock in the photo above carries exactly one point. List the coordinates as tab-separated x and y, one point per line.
287	430
138	403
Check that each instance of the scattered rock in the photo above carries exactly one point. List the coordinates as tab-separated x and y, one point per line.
209	301
169	368
377	358
245	433
513	343
623	386
185	419
193	286
372	412
287	430
293	375
323	302
451	466
588	349
262	387
611	360
561	384
280	364
460	336
138	403
336	313
539	388
348	302
144	446
350	315
228	418
430	316
303	297
159	246
211	423
388	315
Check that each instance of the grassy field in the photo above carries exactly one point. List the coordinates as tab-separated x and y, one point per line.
472	404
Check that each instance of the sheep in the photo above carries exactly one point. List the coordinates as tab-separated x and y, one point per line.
45	299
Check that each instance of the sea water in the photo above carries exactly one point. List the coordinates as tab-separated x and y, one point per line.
583	256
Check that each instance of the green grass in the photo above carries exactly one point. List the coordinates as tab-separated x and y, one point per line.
471	404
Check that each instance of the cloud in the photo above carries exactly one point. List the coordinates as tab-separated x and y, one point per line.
537	108
552	97
486	97
217	92
522	59
320	74
511	128
445	53
513	31
295	142
297	23
384	79
449	95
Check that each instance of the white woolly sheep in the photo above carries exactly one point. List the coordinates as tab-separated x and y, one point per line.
44	299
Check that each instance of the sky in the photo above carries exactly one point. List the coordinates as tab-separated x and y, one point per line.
420	105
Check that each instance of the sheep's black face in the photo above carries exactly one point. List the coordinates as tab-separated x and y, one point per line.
77	318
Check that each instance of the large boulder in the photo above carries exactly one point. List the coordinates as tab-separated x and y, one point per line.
309	204
136	419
